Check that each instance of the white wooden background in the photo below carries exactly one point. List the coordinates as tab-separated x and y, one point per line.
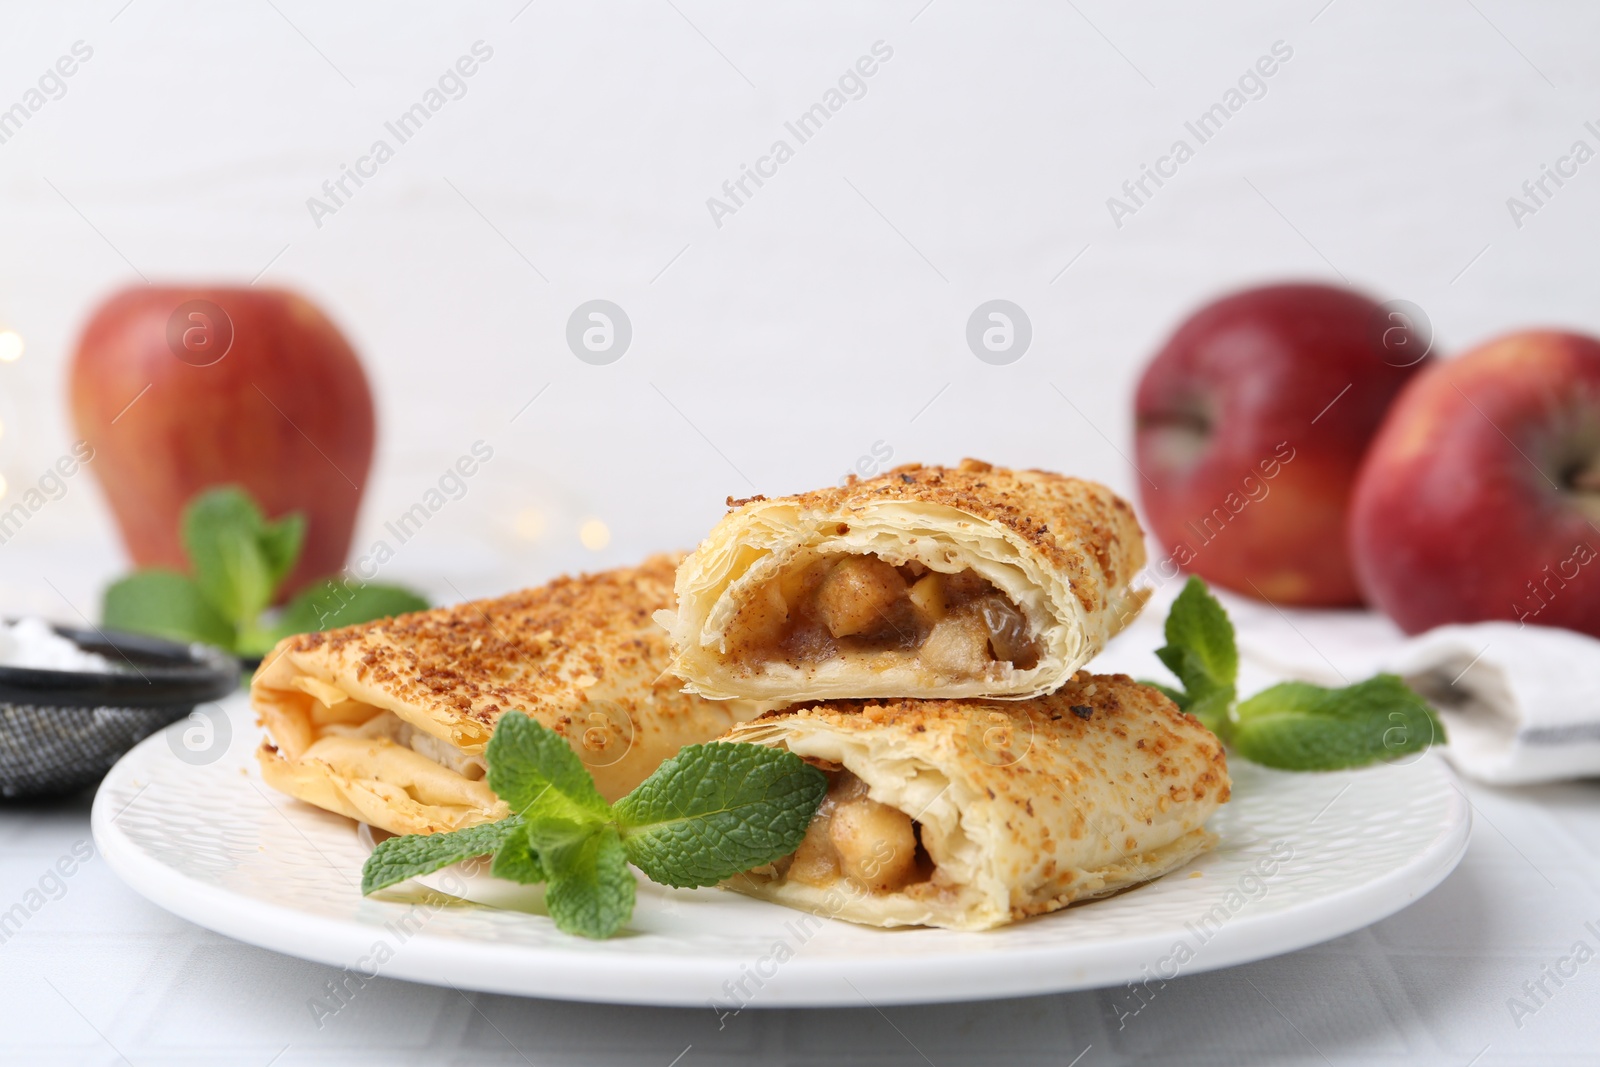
822	317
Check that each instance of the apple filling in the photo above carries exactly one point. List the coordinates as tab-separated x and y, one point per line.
957	625
876	848
334	713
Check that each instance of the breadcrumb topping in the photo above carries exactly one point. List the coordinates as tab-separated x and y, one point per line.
1068	520
548	648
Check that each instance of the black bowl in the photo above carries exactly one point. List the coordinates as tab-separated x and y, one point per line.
60	731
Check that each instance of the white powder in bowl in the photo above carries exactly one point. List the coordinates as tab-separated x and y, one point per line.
31	643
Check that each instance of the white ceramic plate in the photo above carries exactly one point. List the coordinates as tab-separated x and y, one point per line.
1303	858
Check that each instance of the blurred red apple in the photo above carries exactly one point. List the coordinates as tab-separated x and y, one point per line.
1479	498
179	389
1251	423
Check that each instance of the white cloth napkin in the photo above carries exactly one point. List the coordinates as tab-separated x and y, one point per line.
1521	703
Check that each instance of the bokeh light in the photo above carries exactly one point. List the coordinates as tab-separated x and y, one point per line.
594	534
529	524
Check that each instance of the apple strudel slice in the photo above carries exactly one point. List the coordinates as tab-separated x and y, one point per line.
386	722
969	814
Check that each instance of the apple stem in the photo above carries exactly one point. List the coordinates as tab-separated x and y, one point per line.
1587	479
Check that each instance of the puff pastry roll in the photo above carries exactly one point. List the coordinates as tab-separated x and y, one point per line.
386	722
968	814
925	581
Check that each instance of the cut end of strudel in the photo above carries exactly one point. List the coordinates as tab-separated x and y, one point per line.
924	582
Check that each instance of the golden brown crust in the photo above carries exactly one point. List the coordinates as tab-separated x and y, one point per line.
1065	519
537	648
1185	755
1035	804
387	721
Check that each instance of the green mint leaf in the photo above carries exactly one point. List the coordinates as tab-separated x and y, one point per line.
280	543
164	604
714	810
1181	662
1212	711
530	765
516	861
706	814
591	891
404	857
1300	727
235	554
255	641
1200	648
338	601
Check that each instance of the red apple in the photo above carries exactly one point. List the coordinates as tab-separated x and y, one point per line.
1251	423
179	389
1480	497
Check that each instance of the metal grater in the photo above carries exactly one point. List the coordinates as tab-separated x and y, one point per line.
60	731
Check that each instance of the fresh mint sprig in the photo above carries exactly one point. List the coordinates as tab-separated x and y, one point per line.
1302	727
238	559
400	858
1292	726
1200	650
704	815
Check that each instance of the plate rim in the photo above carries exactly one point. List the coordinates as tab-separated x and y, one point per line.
660	980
